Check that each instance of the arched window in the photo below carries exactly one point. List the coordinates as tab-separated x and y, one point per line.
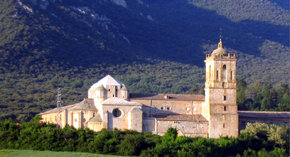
224	73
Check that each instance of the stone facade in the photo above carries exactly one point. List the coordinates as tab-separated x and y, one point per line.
220	93
109	105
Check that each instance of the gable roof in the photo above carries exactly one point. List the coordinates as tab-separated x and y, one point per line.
95	119
119	101
86	104
108	81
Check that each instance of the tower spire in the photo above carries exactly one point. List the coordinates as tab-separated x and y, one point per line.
220	44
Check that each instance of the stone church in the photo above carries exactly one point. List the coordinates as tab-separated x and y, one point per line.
109	105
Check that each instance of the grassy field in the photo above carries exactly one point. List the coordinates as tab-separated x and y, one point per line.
32	153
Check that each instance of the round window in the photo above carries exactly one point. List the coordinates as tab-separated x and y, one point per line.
117	112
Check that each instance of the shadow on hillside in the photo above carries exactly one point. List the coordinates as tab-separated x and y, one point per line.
176	32
282	3
180	30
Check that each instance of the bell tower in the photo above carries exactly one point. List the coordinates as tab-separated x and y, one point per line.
220	107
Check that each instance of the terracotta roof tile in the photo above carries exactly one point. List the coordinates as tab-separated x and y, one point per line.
55	110
86	104
96	119
184	97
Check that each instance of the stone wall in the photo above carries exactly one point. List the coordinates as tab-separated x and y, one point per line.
153	107
185	128
263	117
123	121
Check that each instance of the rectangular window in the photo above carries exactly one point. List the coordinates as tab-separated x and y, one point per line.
225	98
224	125
217	75
225	108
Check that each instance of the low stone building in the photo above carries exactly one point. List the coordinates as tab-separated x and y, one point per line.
268	117
109	105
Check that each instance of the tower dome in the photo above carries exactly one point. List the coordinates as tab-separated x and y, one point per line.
220	50
97	92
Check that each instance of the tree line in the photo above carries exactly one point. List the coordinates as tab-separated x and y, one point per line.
257	139
263	97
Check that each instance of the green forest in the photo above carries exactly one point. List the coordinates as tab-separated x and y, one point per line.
152	47
258	139
263	97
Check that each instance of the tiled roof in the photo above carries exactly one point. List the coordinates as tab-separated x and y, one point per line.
96	119
86	104
264	114
181	117
185	97
119	101
55	110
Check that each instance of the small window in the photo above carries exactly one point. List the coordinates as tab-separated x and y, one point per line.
116	92
223	85
168	108
113	95
224	125
225	98
231	75
161	108
109	90
225	108
94	114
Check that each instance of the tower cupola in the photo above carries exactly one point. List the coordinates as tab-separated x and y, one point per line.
220	51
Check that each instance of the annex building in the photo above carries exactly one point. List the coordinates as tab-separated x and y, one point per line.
110	105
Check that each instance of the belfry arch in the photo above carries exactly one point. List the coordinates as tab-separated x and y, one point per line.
224	73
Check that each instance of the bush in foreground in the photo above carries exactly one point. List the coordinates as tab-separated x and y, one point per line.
256	140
